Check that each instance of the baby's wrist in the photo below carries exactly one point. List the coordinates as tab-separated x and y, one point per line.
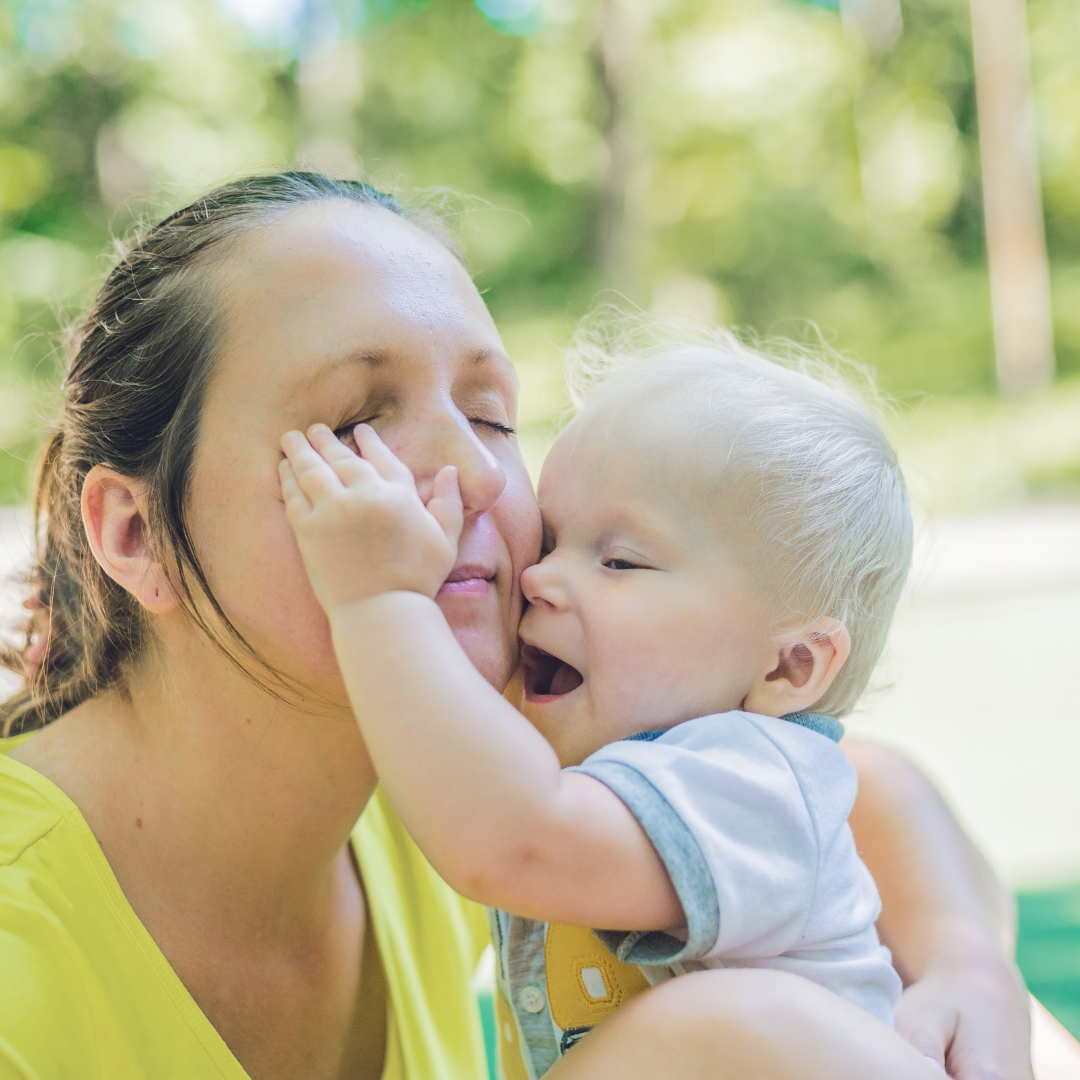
379	607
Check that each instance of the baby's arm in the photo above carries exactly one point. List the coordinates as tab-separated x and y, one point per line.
479	789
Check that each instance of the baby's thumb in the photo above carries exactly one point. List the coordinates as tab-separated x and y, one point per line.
445	503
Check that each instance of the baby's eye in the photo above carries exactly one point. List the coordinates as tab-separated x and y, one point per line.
621	564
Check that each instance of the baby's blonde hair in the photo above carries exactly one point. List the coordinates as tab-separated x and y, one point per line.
796	449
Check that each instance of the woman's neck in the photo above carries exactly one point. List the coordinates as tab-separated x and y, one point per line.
222	810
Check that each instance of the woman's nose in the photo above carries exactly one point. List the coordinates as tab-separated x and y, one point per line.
451	440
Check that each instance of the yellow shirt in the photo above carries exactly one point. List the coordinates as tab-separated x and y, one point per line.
85	992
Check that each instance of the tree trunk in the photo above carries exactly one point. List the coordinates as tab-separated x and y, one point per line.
1015	240
614	55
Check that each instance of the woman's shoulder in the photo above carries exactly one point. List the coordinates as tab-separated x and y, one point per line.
27	814
48	884
36	943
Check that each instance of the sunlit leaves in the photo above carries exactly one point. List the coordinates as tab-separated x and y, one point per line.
36	268
912	169
46	28
24	176
553	114
513	16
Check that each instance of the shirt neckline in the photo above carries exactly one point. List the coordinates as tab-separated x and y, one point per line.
828	726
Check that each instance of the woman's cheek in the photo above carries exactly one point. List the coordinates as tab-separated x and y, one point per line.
271	603
493	648
517	517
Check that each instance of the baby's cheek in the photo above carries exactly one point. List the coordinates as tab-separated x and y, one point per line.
660	675
634	686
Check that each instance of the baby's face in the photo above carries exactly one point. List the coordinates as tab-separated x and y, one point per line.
640	615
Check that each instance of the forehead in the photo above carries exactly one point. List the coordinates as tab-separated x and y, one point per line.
341	258
334	279
612	467
642	442
648	455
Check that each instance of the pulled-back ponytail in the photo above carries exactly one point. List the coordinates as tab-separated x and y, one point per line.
132	399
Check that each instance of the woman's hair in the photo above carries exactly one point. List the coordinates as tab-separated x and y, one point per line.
137	372
786	442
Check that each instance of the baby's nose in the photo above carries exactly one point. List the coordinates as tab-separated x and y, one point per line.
529	583
541	584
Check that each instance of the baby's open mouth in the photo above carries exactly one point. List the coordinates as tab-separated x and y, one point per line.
547	675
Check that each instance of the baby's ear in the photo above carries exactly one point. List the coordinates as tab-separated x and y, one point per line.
799	669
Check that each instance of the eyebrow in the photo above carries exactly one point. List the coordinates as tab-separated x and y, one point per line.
375	359
484	354
370	358
626	521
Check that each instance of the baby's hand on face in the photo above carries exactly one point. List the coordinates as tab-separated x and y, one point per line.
359	521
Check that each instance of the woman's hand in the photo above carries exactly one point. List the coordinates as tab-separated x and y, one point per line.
948	921
970	1015
360	523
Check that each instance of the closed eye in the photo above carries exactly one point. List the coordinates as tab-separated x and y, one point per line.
493	425
622	564
345	433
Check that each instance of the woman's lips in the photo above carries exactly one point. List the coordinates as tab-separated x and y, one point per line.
468	580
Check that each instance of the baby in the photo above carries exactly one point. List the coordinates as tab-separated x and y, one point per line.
725	539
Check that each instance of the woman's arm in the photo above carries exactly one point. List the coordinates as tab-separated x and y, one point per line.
949	923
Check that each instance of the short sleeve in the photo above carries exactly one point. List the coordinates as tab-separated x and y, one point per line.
725	809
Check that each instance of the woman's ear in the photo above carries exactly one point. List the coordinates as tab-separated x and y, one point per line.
115	518
800	670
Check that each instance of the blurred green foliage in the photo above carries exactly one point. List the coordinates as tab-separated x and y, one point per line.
745	161
1048	950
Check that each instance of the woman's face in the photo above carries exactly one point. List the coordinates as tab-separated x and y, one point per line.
341	313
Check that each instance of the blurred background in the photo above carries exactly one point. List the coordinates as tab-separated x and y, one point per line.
769	164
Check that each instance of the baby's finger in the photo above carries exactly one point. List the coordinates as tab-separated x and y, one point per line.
296	502
445	503
386	462
315	477
348	466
